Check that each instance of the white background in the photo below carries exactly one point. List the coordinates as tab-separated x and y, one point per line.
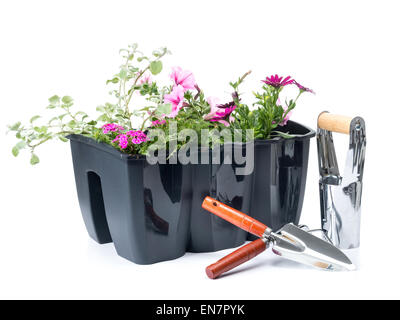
347	51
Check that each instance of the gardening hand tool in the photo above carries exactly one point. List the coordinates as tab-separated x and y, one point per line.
290	242
340	196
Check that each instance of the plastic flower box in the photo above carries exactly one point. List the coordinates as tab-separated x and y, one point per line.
153	213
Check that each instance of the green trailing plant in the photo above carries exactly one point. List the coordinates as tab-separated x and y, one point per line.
30	136
66	121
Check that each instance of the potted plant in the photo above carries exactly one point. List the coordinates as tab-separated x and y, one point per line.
141	173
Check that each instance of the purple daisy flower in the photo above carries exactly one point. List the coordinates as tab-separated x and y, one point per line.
303	88
227	105
224	115
277	82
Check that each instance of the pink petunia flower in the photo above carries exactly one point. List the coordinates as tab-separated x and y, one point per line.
146	78
183	78
212	101
303	88
277	82
175	98
111	127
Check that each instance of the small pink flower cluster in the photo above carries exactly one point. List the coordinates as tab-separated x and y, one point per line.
183	81
156	123
135	136
111	127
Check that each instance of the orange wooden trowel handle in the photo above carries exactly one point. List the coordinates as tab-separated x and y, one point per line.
234	216
236	258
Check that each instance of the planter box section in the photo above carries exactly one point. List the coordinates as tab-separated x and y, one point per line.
207	231
123	199
153	213
279	177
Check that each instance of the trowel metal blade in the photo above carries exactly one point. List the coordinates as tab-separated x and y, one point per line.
296	244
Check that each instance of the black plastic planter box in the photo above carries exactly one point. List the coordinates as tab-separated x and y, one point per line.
153	213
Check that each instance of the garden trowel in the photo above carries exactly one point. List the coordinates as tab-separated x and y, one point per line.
289	242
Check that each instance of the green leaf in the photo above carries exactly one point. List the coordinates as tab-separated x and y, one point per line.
113	80
42	129
15	126
63	139
155	67
92	123
53	119
284	135
34	118
103	118
163	109
34	159
123	74
100	109
133	69
54	99
15	151
20	145
80	113
72	124
67	99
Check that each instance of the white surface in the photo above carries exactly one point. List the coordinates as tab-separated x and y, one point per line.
347	51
